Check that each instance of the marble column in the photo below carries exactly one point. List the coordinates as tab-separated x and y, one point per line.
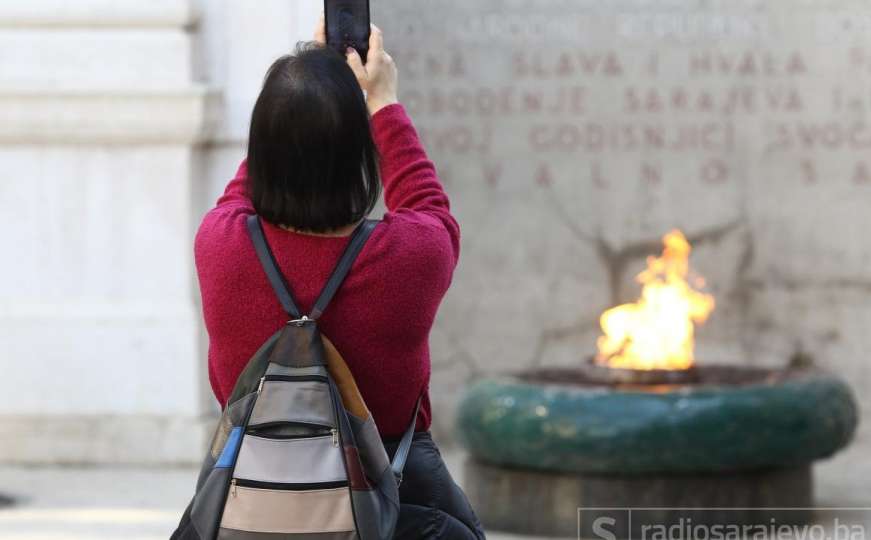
102	130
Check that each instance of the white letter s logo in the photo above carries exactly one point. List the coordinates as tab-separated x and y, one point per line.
601	531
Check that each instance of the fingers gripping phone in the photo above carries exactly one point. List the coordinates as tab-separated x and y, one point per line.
347	25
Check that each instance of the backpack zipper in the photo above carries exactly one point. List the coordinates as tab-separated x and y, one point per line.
318	378
279	437
333	433
258	484
301	378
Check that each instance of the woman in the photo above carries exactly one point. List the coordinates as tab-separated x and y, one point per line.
312	173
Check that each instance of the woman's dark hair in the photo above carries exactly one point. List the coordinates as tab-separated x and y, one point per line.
312	162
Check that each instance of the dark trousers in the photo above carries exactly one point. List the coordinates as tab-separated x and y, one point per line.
432	505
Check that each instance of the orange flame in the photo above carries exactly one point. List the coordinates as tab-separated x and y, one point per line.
656	332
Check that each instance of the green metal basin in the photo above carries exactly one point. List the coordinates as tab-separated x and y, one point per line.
786	420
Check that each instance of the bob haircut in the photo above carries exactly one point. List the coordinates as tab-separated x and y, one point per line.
312	161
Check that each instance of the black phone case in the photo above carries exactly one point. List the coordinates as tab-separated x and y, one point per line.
347	25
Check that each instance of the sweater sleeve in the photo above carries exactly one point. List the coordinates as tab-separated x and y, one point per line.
219	221
236	193
409	177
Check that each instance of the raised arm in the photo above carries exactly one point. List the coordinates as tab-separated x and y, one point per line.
409	177
410	180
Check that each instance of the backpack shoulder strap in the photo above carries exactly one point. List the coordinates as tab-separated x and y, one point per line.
267	261
401	454
355	244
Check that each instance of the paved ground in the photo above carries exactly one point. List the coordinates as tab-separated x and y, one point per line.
106	503
75	503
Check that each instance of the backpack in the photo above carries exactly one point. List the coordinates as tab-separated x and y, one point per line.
296	453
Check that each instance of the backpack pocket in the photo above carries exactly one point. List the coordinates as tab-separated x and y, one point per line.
300	399
296	460
260	510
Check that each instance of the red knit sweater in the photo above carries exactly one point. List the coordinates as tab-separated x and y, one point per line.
380	318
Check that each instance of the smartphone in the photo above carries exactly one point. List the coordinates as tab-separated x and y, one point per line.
347	25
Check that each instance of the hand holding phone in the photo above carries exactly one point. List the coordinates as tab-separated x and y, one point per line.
378	76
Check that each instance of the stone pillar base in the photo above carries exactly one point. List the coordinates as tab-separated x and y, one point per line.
105	439
551	504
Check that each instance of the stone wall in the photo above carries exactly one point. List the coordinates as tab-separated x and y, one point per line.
573	134
101	121
121	123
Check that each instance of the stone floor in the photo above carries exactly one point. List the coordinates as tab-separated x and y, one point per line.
106	503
